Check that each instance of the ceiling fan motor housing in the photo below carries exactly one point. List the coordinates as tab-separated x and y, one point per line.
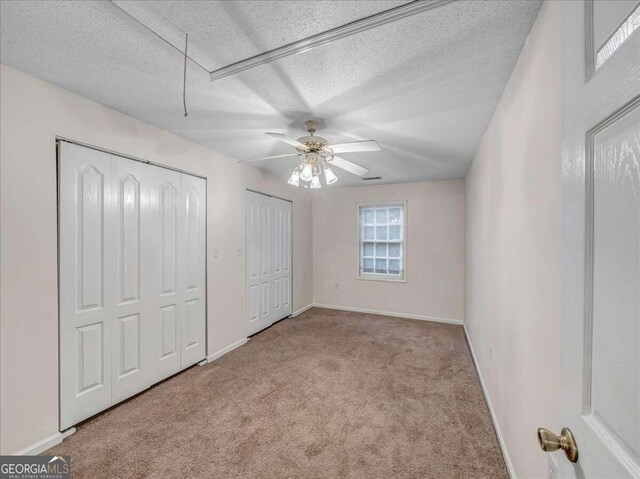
314	143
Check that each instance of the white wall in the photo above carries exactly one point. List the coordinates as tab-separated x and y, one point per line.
32	113
513	247
435	250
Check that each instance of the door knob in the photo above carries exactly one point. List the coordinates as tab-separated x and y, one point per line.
549	442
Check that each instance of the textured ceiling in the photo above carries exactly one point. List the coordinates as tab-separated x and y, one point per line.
233	31
424	87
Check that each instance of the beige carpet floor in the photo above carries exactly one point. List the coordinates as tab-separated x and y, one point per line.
325	395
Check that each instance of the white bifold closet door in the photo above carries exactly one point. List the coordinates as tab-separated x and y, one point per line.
268	261
132	277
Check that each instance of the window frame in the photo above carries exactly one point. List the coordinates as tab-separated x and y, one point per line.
359	240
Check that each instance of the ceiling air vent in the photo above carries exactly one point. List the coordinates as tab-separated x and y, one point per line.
371	178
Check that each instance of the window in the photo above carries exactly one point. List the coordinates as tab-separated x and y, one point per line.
382	241
630	24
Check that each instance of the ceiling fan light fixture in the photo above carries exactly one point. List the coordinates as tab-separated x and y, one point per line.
318	157
311	158
294	180
307	172
315	183
329	176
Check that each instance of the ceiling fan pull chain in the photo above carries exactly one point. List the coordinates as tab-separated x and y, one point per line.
184	78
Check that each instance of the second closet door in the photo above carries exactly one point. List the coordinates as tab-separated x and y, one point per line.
268	296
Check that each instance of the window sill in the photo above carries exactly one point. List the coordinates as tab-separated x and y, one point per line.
386	279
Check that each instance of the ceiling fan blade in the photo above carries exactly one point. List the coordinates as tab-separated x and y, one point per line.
348	166
270	157
353	146
286	139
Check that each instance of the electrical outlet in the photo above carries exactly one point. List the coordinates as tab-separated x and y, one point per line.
239	252
215	252
553	468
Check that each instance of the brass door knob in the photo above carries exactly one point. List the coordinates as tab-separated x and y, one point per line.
549	442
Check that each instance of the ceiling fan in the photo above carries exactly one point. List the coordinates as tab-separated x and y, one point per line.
319	156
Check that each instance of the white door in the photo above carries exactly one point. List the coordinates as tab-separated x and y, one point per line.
259	250
191	269
163	190
132	277
86	270
254	256
130	331
600	398
268	261
281	258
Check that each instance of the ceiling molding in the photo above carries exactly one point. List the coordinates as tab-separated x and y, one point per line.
357	26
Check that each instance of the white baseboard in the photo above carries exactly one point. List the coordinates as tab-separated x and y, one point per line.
226	349
302	310
390	313
494	418
46	443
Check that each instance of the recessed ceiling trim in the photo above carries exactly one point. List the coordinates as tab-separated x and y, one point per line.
357	26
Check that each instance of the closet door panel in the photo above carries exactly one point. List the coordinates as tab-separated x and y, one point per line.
264	253
281	254
253	304
286	259
128	224
191	269
276	255
268	295
167	214
191	319
131	328
160	241
87	278
169	334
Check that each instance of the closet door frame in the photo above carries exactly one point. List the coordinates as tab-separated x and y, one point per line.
58	141
247	252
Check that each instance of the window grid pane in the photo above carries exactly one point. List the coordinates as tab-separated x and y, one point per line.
381	243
